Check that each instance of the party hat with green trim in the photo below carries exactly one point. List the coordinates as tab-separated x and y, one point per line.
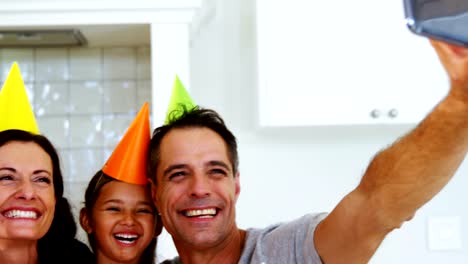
180	99
15	110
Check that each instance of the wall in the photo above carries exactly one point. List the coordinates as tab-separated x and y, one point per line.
288	172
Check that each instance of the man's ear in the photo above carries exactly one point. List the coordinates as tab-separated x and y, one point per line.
237	179
85	221
153	191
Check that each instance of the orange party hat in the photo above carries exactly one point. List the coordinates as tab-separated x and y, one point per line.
15	110
128	161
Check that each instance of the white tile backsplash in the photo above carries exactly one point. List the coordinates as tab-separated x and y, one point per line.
143	63
51	98
143	92
120	96
119	64
52	64
56	129
84	163
92	126
86	97
114	127
25	60
85	64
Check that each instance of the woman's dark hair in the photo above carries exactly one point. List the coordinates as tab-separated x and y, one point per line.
91	195
62	231
195	117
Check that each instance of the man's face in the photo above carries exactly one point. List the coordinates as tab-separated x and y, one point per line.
196	191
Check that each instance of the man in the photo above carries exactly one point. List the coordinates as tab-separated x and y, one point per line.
193	170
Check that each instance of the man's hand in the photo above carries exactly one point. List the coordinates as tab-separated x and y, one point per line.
455	60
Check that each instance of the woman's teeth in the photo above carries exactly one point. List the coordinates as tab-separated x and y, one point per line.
21	214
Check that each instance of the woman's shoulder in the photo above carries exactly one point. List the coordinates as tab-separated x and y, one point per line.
80	252
71	252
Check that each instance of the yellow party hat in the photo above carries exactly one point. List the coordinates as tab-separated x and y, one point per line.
180	99
15	110
128	161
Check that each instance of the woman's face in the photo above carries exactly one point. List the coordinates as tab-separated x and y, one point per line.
123	222
27	198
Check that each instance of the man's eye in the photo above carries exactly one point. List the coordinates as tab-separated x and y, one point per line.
218	172
176	175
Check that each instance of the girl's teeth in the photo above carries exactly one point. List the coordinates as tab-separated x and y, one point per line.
126	238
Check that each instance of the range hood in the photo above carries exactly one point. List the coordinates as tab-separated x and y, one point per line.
41	38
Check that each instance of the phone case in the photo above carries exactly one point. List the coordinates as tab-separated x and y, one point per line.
446	20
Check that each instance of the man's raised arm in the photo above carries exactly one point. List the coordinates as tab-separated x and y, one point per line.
403	177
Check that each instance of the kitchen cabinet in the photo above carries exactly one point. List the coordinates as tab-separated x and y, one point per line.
343	63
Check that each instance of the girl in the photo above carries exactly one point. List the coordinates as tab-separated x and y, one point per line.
119	215
120	220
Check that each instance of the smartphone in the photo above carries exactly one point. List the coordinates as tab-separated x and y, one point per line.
445	20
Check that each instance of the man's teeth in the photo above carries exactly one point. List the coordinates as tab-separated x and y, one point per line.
203	212
21	214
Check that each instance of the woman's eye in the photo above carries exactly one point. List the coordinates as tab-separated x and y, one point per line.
6	178
43	179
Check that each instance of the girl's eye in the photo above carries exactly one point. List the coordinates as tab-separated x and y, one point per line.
113	209
145	211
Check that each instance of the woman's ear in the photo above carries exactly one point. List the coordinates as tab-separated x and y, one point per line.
85	221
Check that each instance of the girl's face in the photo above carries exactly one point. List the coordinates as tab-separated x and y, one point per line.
27	196
123	222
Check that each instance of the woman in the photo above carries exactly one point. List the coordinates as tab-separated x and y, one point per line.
36	223
120	220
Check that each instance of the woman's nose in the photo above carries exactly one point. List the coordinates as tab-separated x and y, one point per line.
26	190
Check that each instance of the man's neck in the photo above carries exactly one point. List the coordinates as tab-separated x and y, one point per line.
226	253
12	251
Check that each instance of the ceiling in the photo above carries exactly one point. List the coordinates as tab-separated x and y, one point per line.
103	35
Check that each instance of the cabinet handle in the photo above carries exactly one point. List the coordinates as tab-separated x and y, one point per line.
393	113
375	113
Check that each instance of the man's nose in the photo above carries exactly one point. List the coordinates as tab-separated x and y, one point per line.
200	185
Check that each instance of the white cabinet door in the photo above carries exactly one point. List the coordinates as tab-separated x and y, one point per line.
343	62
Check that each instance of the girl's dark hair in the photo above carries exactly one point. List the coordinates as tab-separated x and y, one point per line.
91	195
195	117
61	234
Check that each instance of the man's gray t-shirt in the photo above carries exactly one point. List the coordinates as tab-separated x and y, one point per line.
290	242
